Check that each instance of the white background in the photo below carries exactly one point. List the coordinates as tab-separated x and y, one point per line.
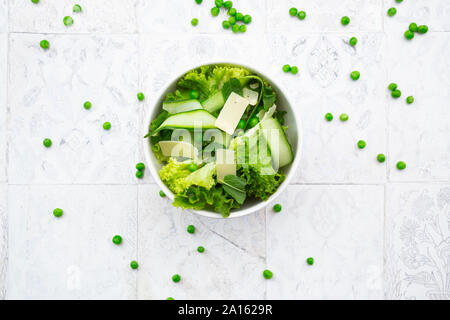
375	232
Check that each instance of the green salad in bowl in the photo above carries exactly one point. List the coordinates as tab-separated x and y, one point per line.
222	140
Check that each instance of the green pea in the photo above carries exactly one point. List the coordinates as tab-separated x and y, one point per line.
253	122
345	20
286	68
47	143
199	1
241	124
139	174
68	21
396	93
301	15
215	11
232	12
328	116
58	212
228	4
413	27
422	29
140	96
140	166
219	3
44	44
381	158
293	11
392	86
242	28
190	228
176	278
170	298
117	239
194	94
355	75
77	8
194	22
399	1
232	20
361	144
87	105
35	1
107	125
134	265
277	207
247	19
226	24
409	35
310	261
162	194
267	274
192	167
401	165
235	28
343	117
353	41
409	99
294	70
239	16
391	12
201	249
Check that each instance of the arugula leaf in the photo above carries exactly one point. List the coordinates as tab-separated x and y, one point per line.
232	85
269	97
235	187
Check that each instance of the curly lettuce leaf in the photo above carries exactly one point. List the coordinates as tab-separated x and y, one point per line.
259	185
222	74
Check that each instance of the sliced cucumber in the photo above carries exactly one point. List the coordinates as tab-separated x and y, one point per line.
278	143
179	106
188	120
214	102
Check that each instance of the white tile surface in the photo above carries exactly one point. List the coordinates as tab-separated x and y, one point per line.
47	92
230	268
3	16
342	228
3	104
417	242
99	16
71	257
3	239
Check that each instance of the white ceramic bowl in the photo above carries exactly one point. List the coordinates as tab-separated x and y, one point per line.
294	136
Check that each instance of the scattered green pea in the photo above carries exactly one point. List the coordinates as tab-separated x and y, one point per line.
162	194
87	105
391	12
310	261
215	11
396	93
242	28
199	1
226	24
277	207
241	124
409	99
267	274
47	143
401	165
247	19
345	20
399	1
293	12
232	20
232	12
44	44
219	3
294	70
253	122
190	228
343	117
192	167
140	166
58	212
194	22
381	158
77	8
134	265
286	68
353	41
68	21
201	249
194	94
107	125
176	278
328	116
228	4
235	28
239	16
392	86
355	75
117	239
139	174
35	1
140	96
361	144
170	298
422	29
409	35
301	15
413	27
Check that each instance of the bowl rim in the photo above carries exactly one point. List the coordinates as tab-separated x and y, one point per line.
240	212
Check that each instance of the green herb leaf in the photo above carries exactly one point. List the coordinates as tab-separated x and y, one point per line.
269	97
235	187
232	85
